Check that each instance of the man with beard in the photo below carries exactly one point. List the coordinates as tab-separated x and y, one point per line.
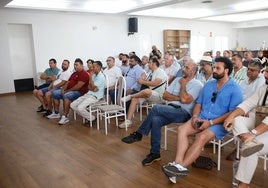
125	66
254	136
62	77
217	100
180	97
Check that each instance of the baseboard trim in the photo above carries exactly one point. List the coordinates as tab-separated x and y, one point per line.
7	94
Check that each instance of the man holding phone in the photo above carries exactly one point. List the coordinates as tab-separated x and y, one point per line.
217	99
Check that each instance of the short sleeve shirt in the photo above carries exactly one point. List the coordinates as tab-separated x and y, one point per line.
79	76
159	73
227	99
193	87
99	81
51	72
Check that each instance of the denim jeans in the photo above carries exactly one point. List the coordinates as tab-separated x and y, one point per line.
159	116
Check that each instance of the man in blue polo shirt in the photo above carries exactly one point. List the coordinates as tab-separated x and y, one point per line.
217	100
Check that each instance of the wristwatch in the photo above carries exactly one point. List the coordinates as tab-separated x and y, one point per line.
253	131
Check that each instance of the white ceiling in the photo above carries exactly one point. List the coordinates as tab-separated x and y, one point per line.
218	10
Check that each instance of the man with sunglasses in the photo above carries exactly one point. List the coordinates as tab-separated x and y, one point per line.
216	101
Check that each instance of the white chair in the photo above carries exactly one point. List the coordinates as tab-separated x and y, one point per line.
265	158
114	110
172	128
220	143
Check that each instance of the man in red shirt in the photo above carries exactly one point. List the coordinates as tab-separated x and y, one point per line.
76	86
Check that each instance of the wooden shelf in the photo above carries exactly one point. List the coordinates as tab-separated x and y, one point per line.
177	42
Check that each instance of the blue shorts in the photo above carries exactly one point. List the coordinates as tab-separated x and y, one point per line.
218	130
44	90
71	95
43	86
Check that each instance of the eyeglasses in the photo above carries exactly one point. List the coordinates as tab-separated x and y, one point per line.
252	70
214	96
108	60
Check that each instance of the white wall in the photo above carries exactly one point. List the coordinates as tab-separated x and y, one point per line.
253	38
69	35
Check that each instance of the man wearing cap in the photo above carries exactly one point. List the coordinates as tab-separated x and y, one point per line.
239	72
206	70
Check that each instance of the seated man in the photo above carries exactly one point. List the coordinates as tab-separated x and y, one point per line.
217	99
49	76
62	78
254	79
113	72
76	86
206	70
181	96
156	83
169	67
95	93
254	137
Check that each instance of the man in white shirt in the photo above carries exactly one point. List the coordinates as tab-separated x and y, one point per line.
254	80
156	86
253	136
62	77
113	72
169	68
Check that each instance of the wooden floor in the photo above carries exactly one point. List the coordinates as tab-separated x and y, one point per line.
36	152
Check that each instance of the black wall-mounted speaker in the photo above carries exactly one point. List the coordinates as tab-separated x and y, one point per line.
133	25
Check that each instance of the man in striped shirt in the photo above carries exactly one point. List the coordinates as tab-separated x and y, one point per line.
239	72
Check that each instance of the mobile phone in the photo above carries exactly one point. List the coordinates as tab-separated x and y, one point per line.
198	124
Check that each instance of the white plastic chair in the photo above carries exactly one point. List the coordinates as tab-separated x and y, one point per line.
114	110
220	143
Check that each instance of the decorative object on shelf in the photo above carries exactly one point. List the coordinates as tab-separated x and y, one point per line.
177	42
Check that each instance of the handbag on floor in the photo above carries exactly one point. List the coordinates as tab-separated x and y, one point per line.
204	163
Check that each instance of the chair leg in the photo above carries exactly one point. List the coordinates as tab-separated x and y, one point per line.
74	115
140	112
165	138
264	162
106	131
98	120
219	155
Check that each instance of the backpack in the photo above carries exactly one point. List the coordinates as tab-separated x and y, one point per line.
204	162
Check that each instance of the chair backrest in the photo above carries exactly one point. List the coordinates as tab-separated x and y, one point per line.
166	84
106	91
120	88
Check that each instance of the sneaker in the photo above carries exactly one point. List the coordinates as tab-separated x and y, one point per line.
53	116
42	110
173	179
123	125
126	98
175	169
48	112
250	148
152	157
133	137
63	120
